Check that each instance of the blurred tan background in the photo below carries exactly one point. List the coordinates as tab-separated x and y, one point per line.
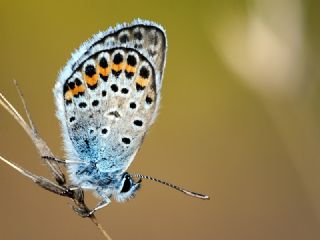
240	120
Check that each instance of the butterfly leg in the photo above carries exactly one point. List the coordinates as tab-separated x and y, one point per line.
105	201
85	212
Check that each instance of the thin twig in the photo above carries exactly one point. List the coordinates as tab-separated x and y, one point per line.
25	106
41	181
18	168
7	105
99	226
47	155
39	143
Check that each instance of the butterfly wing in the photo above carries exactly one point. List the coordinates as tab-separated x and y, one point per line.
108	94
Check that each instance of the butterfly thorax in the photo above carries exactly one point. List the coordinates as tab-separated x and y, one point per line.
119	185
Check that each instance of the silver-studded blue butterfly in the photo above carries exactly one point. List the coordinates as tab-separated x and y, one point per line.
107	97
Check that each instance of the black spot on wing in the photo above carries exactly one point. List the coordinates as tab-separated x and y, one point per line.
138	35
126	140
131	60
82	105
114	87
115	114
78	82
103	62
139	87
71	85
72	119
116	73
133	105
124	38
93	87
124	90
95	103
144	72
90	70
138	123
104	78
149	100
118	58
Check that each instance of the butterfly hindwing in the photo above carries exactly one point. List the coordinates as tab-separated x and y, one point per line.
108	94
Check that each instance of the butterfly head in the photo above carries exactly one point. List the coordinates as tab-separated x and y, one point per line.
127	188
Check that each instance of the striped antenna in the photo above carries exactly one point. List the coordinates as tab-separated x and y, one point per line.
187	192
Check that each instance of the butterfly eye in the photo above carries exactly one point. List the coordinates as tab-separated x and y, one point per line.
127	184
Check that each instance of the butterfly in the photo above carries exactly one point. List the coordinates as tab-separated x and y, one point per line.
107	97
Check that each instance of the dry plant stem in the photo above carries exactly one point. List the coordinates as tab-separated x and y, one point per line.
40	144
77	195
61	189
41	181
25	107
99	226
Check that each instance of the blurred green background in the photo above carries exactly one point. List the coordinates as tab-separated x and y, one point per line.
239	120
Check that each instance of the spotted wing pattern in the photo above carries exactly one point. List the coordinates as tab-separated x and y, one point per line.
108	94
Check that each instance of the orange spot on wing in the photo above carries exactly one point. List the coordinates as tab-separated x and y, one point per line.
78	89
130	69
104	71
117	67
68	95
142	82
91	80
